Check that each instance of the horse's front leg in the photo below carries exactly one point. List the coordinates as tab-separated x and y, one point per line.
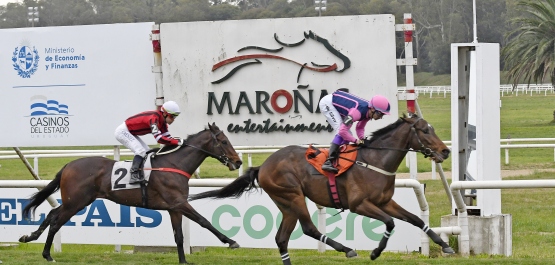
370	210
395	210
176	218
186	209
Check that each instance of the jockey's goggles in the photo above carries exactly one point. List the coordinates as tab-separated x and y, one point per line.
173	114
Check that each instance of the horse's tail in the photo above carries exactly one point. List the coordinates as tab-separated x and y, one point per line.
235	189
41	196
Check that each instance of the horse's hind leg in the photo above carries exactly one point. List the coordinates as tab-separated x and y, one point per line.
63	215
296	208
395	210
283	234
176	218
35	235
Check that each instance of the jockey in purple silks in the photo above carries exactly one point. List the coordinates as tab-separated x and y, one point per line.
342	110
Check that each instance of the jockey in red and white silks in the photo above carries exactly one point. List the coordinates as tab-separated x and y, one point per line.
155	122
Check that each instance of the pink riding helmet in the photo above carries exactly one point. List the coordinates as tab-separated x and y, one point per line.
380	103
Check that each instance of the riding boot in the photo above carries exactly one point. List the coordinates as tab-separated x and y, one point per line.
333	155
136	176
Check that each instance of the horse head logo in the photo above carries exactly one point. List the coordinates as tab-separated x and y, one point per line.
270	54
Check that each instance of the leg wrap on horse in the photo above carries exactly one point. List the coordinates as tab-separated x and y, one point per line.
434	237
349	253
383	242
285	258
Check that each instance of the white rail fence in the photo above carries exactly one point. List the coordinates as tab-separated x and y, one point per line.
249	150
464	245
399	183
521	89
461	229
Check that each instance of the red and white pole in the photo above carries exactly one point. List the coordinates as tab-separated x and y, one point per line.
157	67
409	70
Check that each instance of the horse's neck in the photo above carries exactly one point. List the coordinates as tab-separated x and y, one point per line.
187	159
390	160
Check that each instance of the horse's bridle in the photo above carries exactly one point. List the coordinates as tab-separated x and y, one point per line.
426	151
222	158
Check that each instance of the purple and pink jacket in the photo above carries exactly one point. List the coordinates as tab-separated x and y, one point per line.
351	105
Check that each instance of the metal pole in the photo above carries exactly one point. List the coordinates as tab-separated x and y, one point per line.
474	24
50	199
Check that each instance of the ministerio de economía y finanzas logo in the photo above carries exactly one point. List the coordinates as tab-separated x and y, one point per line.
25	61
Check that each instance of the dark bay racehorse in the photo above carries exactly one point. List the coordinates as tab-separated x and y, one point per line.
286	177
86	179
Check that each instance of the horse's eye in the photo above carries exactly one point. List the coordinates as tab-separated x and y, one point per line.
224	142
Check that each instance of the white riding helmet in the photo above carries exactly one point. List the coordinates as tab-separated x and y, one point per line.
171	107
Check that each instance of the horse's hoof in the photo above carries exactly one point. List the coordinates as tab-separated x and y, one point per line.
234	245
448	250
351	254
374	255
23	239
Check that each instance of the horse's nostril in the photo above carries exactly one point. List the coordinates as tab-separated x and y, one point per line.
446	152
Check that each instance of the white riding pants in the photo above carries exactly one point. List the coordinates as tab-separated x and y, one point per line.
329	111
133	142
333	116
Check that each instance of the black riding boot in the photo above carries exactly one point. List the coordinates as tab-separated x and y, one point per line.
334	153
136	176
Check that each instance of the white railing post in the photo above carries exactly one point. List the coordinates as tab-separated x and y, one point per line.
241	167
321	226
433	169
36	165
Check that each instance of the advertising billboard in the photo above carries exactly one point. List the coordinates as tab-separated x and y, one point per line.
251	220
261	80
72	86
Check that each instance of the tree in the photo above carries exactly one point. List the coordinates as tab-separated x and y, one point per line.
529	55
13	15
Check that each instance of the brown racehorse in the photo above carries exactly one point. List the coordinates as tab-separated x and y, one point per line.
286	177
86	179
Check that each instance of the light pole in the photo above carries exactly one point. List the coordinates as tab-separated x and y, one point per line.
320	6
33	15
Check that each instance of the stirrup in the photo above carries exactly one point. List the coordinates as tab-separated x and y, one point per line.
330	168
136	179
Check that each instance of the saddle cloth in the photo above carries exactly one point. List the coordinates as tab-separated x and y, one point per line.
316	157
120	174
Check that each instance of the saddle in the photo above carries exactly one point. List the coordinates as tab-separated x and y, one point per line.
317	157
347	156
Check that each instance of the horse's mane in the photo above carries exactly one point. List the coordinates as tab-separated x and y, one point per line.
383	131
189	138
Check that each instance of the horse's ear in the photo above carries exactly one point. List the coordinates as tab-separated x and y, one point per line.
213	127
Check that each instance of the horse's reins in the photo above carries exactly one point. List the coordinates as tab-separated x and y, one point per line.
222	158
423	149
426	151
